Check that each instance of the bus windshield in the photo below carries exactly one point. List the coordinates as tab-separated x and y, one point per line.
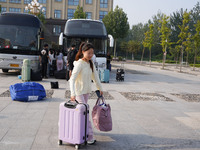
14	37
85	28
99	44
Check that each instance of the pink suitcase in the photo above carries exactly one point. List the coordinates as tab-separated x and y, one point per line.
73	123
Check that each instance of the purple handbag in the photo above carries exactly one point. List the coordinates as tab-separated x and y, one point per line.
101	115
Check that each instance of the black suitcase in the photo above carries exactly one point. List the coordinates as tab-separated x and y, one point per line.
51	70
60	74
54	65
54	85
120	75
36	75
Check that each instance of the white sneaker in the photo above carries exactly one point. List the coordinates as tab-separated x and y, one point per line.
91	142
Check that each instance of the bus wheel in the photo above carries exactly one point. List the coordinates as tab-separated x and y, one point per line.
5	70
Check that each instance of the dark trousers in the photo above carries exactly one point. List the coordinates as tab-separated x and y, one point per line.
108	66
44	69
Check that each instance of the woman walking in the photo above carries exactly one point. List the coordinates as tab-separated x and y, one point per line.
80	82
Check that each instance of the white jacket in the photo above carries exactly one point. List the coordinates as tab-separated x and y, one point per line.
80	80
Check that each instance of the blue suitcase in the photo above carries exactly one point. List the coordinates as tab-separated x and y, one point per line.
104	75
27	91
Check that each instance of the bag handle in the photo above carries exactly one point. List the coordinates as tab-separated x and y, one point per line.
99	99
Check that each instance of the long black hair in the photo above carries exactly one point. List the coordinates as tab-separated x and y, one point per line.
84	47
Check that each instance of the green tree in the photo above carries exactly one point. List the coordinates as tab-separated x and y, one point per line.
196	39
116	23
137	32
184	34
194	17
176	19
133	47
41	17
188	46
124	47
149	40
165	33
145	44
79	14
156	33
174	51
157	23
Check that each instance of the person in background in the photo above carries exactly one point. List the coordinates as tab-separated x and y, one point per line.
95	61
43	58
50	69
108	57
80	82
59	60
71	57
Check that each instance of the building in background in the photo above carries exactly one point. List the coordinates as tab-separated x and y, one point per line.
58	11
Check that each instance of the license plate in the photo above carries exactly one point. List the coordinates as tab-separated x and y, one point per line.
14	65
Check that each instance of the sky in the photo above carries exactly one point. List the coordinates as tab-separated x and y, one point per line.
140	11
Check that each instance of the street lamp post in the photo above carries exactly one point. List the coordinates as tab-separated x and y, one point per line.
34	7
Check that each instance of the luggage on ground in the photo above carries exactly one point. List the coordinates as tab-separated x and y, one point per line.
54	85
54	65
26	69
104	75
51	70
36	75
60	74
73	123
101	115
120	75
27	91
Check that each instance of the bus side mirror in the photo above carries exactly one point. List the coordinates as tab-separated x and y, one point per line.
61	39
111	40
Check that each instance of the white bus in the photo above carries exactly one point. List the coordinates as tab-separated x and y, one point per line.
20	38
85	30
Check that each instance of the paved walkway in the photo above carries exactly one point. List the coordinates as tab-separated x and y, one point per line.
151	110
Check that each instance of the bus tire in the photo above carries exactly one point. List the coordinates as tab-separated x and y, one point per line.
5	70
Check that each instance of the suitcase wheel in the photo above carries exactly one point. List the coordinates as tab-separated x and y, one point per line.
60	142
77	146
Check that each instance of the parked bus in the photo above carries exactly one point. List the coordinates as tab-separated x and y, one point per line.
20	38
85	30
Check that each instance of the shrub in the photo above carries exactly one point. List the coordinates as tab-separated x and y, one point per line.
170	61
196	65
120	58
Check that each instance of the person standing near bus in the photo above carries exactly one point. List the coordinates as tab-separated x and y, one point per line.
44	60
108	60
50	68
71	57
80	82
59	60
